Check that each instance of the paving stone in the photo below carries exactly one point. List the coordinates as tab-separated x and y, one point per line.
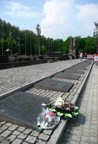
4	127
2	123
43	137
86	134
94	131
76	137
35	133
86	130
13	127
48	132
68	131
21	129
41	142
84	142
85	139
31	139
27	131
92	143
94	127
93	134
1	131
1	139
66	139
8	124
16	133
11	138
5	142
6	133
67	135
22	136
77	132
17	141
94	139
74	142
24	143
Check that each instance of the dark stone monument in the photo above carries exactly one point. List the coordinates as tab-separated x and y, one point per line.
72	46
22	108
56	85
67	75
74	70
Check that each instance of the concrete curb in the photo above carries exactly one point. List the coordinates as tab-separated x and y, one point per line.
57	134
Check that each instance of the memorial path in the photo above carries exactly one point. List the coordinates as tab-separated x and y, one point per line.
18	79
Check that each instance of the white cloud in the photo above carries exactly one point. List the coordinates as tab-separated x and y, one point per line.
16	9
64	18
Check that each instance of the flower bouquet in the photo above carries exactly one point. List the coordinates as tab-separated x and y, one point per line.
64	109
54	111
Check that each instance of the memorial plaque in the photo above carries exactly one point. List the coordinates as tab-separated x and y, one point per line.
22	108
67	76
50	84
80	68
82	65
75	71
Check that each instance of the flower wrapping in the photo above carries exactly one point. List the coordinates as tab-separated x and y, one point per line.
47	119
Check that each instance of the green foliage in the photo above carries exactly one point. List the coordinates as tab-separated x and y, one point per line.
43	49
66	45
26	42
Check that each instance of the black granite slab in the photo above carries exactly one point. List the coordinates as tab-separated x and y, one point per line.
50	84
22	108
75	71
82	66
67	75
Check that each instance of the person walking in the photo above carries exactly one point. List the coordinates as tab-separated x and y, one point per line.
95	60
81	56
70	56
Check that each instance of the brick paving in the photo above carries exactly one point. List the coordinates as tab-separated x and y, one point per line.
15	134
84	128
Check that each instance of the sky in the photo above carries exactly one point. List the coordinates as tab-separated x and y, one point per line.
57	18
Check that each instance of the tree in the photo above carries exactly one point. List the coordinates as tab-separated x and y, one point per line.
66	45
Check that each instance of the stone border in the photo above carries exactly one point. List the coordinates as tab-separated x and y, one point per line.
57	134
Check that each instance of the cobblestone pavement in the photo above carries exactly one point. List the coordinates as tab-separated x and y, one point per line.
84	128
17	77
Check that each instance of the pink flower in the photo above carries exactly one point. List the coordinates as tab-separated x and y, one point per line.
67	103
68	109
72	106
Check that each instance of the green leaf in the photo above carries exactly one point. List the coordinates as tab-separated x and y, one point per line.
52	109
68	115
75	113
59	114
76	109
